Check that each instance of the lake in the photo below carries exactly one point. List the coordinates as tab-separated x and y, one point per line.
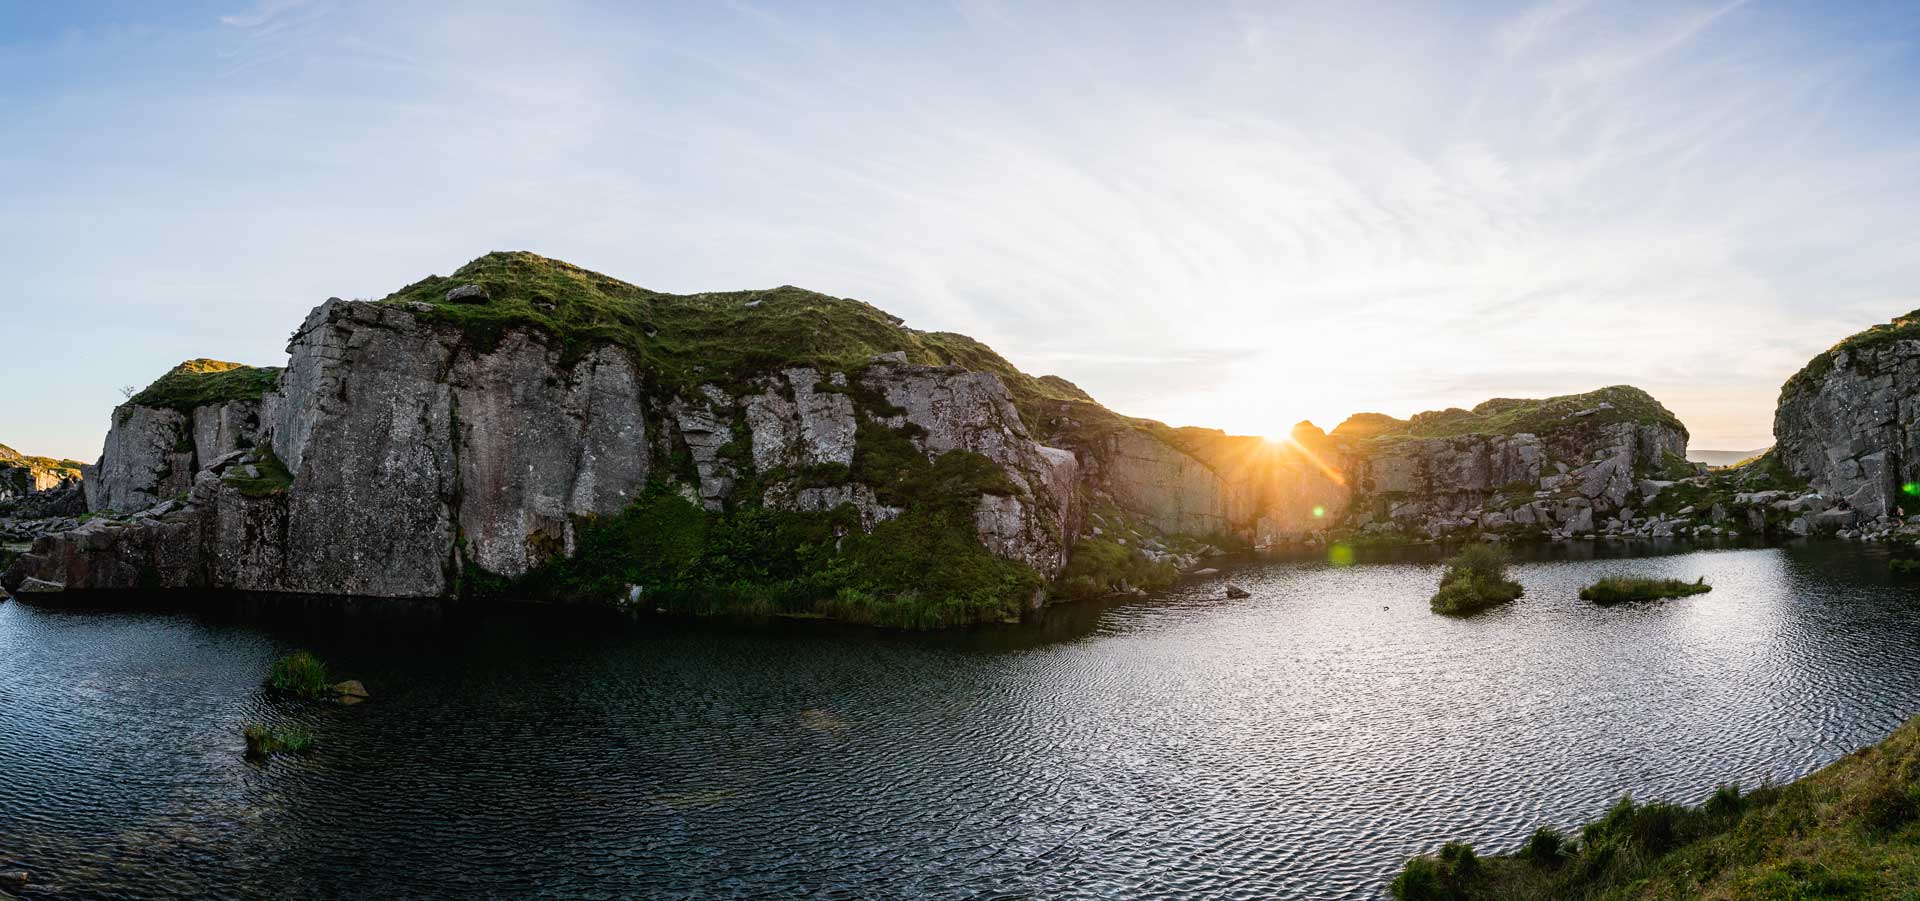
1299	743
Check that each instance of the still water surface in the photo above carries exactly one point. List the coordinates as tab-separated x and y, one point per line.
1300	743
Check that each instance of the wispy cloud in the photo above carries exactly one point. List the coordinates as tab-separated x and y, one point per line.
1237	217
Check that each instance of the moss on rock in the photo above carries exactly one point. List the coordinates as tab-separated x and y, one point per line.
198	383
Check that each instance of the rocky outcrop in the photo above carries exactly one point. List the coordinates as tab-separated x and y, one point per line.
37	488
1568	478
408	454
1847	422
152	453
471	430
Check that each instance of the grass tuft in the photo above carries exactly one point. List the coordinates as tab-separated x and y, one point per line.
300	675
266	741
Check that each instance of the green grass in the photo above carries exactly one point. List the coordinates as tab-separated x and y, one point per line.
1902	328
197	383
1512	416
729	338
273	478
300	675
1475	579
1851	830
13	459
266	741
1619	589
1101	566
923	569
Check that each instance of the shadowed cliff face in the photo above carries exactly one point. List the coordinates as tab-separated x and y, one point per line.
1846	422
412	453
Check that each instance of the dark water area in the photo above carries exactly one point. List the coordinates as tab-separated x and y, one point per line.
1299	743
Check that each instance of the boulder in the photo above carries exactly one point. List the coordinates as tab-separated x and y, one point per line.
1236	592
468	294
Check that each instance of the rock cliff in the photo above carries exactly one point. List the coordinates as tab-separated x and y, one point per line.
447	438
530	428
38	487
1559	467
1846	422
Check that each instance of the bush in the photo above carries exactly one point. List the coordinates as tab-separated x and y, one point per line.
266	741
1476	578
1726	802
1545	847
1617	589
300	675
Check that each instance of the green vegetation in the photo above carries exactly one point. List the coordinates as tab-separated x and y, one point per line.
1475	579
723	338
1902	328
273	476
922	569
1102	566
300	675
266	741
197	383
13	459
729	338
1619	589
1764	472
1851	830
1512	416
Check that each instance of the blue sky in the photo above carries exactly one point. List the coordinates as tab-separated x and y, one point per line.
1235	215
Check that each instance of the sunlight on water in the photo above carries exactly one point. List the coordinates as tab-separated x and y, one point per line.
1300	743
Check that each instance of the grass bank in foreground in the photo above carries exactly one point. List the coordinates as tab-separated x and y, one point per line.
1475	579
1851	830
1615	590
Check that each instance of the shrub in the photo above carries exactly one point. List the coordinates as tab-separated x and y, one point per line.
1476	578
300	675
1726	801
1617	589
1545	847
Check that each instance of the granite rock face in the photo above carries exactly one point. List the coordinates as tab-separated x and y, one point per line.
1849	431
152	453
1554	485
411	455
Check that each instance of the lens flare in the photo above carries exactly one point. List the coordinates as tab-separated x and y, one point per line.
1340	555
1319	511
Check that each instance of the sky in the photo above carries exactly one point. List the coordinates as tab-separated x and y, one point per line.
1235	215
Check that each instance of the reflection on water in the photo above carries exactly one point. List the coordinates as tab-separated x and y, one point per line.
1299	743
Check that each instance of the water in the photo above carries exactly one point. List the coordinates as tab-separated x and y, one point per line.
1300	743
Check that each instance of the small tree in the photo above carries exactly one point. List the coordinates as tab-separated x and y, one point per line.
1475	578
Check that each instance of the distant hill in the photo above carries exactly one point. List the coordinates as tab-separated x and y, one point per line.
1721	457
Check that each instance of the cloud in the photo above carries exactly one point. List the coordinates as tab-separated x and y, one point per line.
1237	216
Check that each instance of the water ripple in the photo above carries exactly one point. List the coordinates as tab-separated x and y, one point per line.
1300	743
